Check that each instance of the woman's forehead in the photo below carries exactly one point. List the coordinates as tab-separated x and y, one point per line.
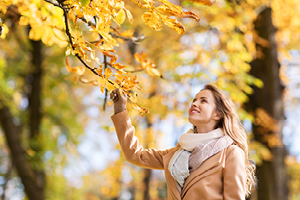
204	93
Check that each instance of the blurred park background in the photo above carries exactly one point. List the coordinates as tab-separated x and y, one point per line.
57	141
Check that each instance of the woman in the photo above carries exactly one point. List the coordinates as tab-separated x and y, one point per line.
210	161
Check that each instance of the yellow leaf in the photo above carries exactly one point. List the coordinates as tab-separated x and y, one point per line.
23	20
119	76
152	20
128	33
152	71
35	33
107	73
68	51
204	2
4	31
173	23
120	17
167	9
129	15
101	83
110	85
171	7
79	70
133	97
259	83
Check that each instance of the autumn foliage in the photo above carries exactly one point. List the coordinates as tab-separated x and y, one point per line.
49	20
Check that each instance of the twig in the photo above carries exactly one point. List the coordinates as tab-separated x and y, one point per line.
105	66
132	39
72	45
133	71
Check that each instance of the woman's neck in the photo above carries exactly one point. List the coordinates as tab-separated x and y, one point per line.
205	128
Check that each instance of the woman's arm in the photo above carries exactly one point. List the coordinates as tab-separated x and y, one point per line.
133	151
234	174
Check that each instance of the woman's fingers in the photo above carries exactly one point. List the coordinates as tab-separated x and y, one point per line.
114	95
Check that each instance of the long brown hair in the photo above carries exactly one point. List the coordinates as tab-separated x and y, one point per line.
232	126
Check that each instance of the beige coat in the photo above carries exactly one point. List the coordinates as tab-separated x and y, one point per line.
220	177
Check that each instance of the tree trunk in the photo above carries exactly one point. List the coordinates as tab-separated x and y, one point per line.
268	108
30	169
23	167
147	172
35	116
146	183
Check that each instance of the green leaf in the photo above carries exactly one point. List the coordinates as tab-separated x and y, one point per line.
84	2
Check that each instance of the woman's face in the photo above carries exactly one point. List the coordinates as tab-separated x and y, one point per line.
203	110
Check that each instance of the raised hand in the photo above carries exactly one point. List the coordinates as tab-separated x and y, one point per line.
119	100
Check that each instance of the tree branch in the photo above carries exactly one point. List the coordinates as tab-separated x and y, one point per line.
105	94
72	45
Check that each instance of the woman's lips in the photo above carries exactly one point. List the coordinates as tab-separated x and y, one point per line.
194	111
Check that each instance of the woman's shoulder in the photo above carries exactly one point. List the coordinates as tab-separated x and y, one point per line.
234	150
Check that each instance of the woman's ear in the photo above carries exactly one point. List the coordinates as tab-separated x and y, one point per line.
217	116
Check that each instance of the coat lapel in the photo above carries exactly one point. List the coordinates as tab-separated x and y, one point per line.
169	178
204	169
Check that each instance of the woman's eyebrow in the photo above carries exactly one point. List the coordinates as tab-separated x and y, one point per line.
203	97
195	99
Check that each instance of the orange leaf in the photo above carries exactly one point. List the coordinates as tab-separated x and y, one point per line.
140	109
118	66
113	59
107	53
99	42
99	70
140	57
70	69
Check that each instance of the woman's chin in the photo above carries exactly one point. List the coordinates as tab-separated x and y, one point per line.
192	121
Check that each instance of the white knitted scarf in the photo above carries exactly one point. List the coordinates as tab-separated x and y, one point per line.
194	149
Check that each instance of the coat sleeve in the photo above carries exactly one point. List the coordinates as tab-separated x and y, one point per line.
234	175
133	151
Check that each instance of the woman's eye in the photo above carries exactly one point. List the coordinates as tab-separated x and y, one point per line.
204	101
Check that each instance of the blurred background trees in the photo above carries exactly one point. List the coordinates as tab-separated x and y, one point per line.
57	140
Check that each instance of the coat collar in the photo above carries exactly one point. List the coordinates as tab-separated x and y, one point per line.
199	173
